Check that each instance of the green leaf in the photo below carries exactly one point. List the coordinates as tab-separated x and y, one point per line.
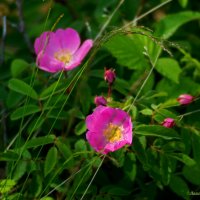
36	185
130	166
66	152
146	111
128	51
80	128
47	92
22	88
161	114
18	66
50	161
192	174
165	169
183	3
179	186
80	145
196	147
40	141
168	26
24	111
20	169
9	156
157	131
115	190
35	124
6	185
140	150
174	146
183	158
47	198
169	68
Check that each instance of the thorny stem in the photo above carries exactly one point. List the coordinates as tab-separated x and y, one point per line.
22	24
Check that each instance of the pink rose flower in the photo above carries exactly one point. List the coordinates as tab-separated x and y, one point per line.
168	122
109	76
109	129
100	101
185	99
60	50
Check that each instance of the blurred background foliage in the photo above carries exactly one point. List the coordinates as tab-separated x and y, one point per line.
44	153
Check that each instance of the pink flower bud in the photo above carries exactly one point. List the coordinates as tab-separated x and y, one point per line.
100	101
109	75
168	122
185	99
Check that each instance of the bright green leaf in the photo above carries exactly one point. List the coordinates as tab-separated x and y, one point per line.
18	66
24	111
22	88
6	185
183	3
169	68
40	141
167	26
146	111
157	131
128	51
80	128
47	198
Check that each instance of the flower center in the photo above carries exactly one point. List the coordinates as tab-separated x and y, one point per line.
113	133
63	56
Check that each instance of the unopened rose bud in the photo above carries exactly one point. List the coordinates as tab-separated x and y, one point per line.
100	100
185	99
168	123
109	76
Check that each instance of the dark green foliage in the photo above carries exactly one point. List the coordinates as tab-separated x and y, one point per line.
44	153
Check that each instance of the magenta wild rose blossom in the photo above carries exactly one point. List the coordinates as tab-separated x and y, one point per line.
100	101
168	122
109	129
185	99
60	50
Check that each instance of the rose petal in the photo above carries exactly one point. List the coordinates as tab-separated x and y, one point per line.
53	45
69	39
96	140
83	50
41	41
49	64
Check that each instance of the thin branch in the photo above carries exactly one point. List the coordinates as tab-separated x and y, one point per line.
108	20
93	178
133	22
21	26
4	31
153	64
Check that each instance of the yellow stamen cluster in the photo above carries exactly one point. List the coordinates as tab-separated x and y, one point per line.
113	133
63	56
